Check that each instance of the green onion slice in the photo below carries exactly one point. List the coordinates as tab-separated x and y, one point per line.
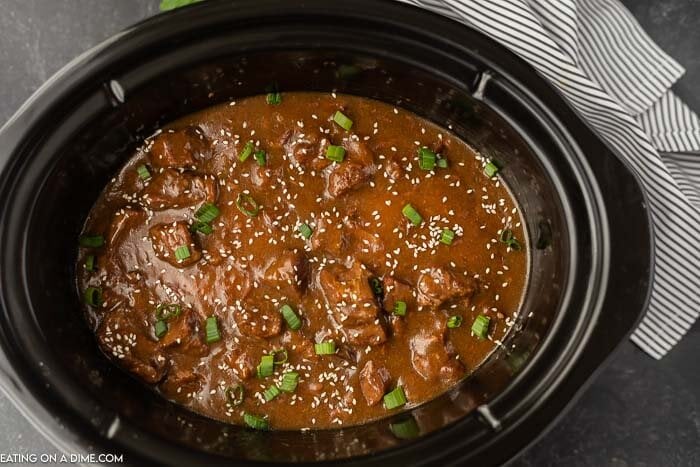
91	241
161	328
290	317
480	328
306	231
447	236
412	215
426	159
143	172
442	163
400	308
266	366
182	253
234	395
405	429
247	205
289	381
90	262
395	398
255	422
274	98
260	157
507	237
514	245
271	392
166	311
335	153
247	151
325	348
454	322
207	213
490	169
201	227
211	329
342	120
93	296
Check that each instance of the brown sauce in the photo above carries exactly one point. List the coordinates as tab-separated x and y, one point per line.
343	282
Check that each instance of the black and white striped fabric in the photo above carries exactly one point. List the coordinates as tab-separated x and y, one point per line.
618	79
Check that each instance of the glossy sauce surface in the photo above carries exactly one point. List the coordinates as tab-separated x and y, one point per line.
249	266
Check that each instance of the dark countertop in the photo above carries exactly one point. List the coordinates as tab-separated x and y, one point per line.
638	412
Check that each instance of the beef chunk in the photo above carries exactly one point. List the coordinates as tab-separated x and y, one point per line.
183	332
330	238
440	285
349	296
171	189
177	149
307	148
394	170
287	273
166	238
254	322
345	177
432	354
125	340
374	382
397	291
181	381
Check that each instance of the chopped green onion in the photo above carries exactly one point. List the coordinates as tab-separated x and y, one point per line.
480	328
207	213
143	172
89	262
341	119
426	159
182	253
442	163
260	157
274	98
325	348
247	205
490	169
447	236
161	328
255	422
412	215
305	231
290	317
92	241
454	321
376	285
93	296
405	429
400	308
201	227
514	245
395	398
211	329
289	381
507	237
234	395
282	359
266	366
271	392
166	311
335	153
247	151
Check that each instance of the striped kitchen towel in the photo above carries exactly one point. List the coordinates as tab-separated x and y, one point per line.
618	79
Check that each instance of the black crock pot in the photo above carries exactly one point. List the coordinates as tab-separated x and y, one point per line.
588	226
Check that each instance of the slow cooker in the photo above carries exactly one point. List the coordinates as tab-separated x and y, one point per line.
587	222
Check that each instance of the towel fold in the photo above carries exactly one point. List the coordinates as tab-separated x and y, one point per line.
619	80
